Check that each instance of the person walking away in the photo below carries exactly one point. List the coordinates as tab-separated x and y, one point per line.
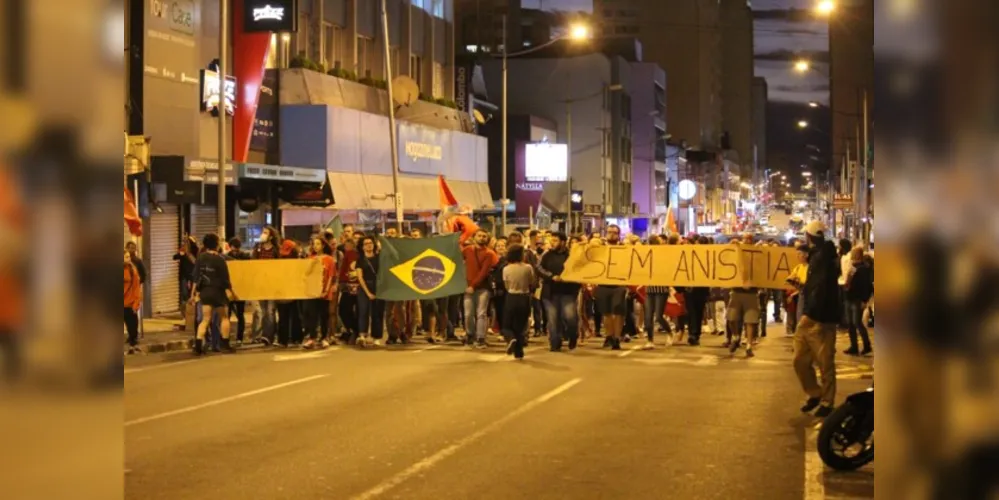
238	308
370	309
317	311
559	296
214	288
859	291
794	299
269	247
518	279
479	262
612	300
815	338
133	299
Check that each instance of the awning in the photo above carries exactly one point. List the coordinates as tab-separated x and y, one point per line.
473	194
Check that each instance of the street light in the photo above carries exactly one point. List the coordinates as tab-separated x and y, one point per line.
577	32
806	174
813	104
825	7
802	65
802	124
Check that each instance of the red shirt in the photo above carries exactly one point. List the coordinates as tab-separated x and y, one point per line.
479	262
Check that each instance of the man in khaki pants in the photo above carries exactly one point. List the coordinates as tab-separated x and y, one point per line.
815	338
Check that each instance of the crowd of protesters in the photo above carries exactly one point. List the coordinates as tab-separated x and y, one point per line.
515	291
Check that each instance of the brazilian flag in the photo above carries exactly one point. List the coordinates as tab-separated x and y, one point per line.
425	268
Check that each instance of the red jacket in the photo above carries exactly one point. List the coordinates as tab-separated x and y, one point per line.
479	262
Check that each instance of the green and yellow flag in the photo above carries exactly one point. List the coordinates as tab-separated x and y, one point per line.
416	269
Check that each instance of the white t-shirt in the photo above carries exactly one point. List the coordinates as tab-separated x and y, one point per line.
846	269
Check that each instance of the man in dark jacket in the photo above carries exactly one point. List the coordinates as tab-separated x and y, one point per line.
559	297
815	338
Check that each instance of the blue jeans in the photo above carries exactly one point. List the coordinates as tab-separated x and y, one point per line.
562	321
477	313
655	307
370	312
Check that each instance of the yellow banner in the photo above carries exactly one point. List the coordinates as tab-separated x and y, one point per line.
724	266
281	279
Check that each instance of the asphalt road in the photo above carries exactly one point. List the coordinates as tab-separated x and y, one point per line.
450	422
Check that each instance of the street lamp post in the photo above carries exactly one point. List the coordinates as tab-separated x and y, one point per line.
223	46
393	142
577	32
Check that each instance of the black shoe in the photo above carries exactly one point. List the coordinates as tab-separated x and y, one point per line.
608	342
199	347
853	351
810	405
510	347
824	411
693	342
556	349
573	343
615	344
734	346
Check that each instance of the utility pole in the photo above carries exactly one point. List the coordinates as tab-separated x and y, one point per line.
568	174
505	202
393	141
223	56
865	186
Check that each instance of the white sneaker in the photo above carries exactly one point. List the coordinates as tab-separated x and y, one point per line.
669	340
648	346
378	342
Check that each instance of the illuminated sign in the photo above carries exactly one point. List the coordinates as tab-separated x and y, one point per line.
576	201
546	162
417	150
270	16
210	93
268	13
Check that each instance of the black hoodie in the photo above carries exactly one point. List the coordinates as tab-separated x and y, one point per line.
822	286
553	264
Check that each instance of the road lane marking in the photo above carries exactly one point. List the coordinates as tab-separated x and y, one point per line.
305	355
430	348
432	460
629	352
129	371
707	361
815	487
217	402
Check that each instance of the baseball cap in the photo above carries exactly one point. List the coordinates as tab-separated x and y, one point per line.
815	228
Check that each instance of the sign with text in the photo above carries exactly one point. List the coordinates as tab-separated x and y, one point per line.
276	16
276	279
723	266
210	99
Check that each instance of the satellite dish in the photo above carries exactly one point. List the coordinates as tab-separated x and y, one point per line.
405	91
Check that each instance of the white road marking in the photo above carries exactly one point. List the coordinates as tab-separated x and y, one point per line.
305	355
707	361
815	488
432	460
129	371
217	402
629	352
431	348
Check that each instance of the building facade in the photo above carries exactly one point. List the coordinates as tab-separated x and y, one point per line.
737	82
169	102
648	112
684	37
760	97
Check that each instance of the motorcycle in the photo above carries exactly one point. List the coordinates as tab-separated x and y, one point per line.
846	441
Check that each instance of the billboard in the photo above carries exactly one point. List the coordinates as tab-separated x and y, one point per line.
546	162
267	16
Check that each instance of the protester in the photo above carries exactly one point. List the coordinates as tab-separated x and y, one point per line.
350	289
655	309
317	311
186	256
133	299
214	290
796	282
140	266
859	289
498	286
479	263
371	310
518	279
268	248
697	302
743	313
238	308
611	300
559	297
815	339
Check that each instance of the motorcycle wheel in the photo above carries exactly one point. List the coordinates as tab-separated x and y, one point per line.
835	439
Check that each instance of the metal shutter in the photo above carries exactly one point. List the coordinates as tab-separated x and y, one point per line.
203	221
164	272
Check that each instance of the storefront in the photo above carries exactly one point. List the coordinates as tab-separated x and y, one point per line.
354	148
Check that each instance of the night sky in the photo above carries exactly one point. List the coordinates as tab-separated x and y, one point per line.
778	43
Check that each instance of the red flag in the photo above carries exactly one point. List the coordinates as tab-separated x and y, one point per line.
132	215
447	197
671	221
